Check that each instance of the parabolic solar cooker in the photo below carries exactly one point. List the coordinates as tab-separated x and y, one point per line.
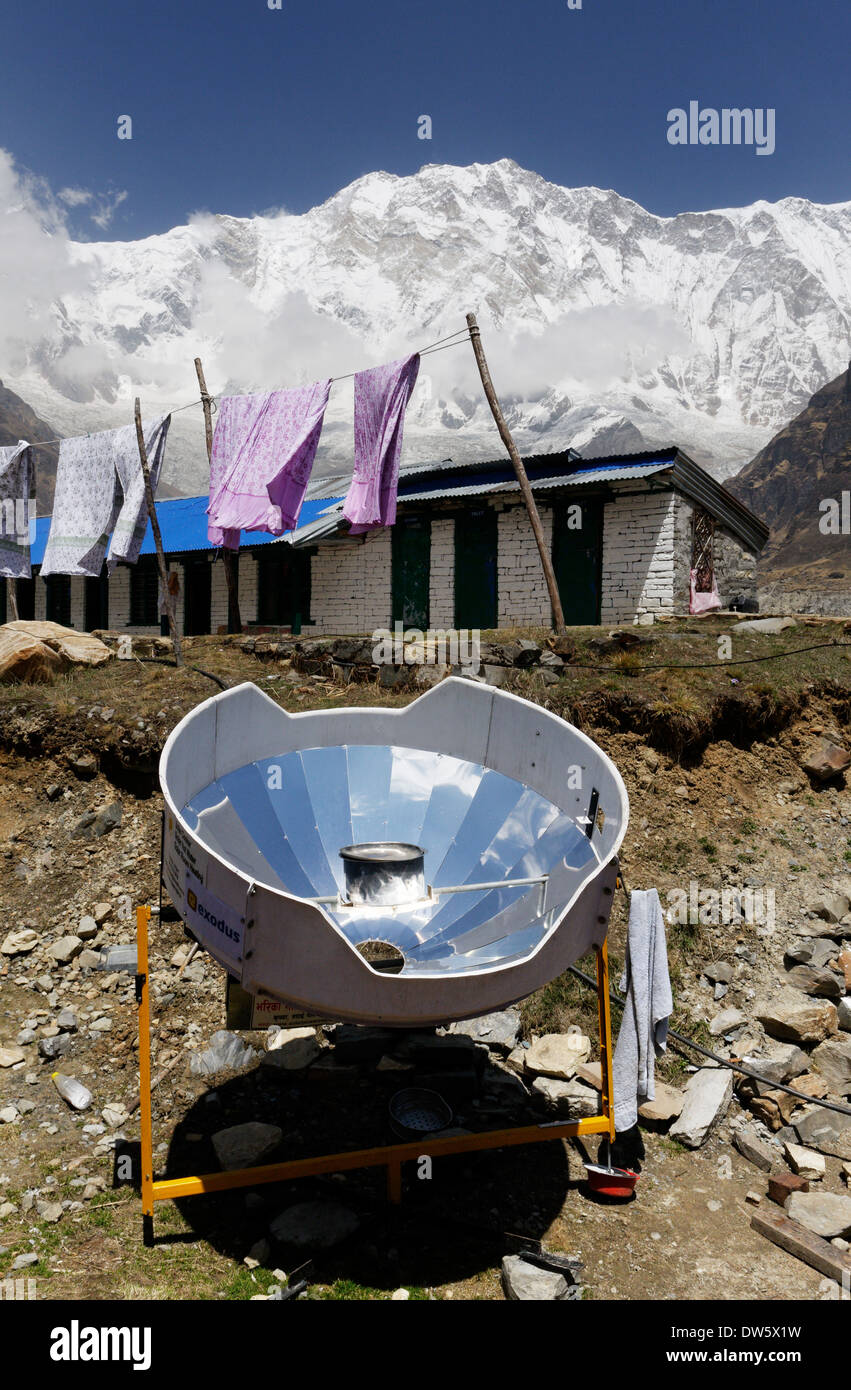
397	866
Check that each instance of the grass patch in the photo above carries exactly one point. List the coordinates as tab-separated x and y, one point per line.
243	1287
565	1001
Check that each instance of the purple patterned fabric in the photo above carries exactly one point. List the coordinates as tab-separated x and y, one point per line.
381	395
263	452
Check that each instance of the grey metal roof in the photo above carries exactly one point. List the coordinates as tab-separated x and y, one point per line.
324	526
591	475
670	466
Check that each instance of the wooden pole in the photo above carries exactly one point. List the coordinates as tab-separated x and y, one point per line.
531	506
231	578
12	596
158	540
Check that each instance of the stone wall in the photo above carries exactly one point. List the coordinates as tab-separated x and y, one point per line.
735	572
639	542
522	596
441	598
350	585
734	564
646	559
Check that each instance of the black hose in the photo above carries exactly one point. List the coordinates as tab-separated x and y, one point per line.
165	661
722	1061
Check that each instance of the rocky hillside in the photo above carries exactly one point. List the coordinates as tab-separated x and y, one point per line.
804	465
19	421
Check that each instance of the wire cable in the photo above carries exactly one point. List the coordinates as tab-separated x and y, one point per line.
723	1061
709	665
48	443
459	336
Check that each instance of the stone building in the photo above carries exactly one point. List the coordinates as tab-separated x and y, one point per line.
625	534
274	581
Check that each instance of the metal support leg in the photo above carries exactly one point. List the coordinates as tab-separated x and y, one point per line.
605	1025
143	1009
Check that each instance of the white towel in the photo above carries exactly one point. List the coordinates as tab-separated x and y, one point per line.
644	1029
15	510
132	521
99	486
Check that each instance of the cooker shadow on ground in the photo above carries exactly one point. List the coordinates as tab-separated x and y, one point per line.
451	1225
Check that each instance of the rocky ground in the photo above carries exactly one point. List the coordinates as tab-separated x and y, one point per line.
732	812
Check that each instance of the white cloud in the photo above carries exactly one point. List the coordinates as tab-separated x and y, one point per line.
588	349
249	347
107	205
37	266
74	197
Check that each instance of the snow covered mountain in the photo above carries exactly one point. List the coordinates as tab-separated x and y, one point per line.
605	326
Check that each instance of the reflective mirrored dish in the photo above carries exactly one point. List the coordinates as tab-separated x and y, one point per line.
389	826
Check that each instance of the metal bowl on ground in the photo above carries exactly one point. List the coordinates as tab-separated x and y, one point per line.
417	1111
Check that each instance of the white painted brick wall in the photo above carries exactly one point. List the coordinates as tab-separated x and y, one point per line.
78	600
522	597
350	585
119	601
638	557
441	599
643	572
119	597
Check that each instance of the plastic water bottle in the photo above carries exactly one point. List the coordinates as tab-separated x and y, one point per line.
72	1090
119	958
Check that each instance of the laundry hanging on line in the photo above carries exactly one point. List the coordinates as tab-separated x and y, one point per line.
381	397
15	483
100	491
262	457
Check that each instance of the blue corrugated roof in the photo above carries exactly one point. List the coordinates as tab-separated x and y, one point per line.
183	524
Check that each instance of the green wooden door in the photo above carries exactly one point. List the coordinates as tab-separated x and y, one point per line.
197	574
25	594
97	602
58	599
411	571
475	569
577	559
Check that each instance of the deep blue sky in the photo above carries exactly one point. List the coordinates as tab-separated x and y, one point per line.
238	109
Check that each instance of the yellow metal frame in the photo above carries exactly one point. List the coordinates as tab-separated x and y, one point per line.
390	1156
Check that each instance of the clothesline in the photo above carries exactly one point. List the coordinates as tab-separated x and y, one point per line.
423	352
261	457
440	345
45	443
